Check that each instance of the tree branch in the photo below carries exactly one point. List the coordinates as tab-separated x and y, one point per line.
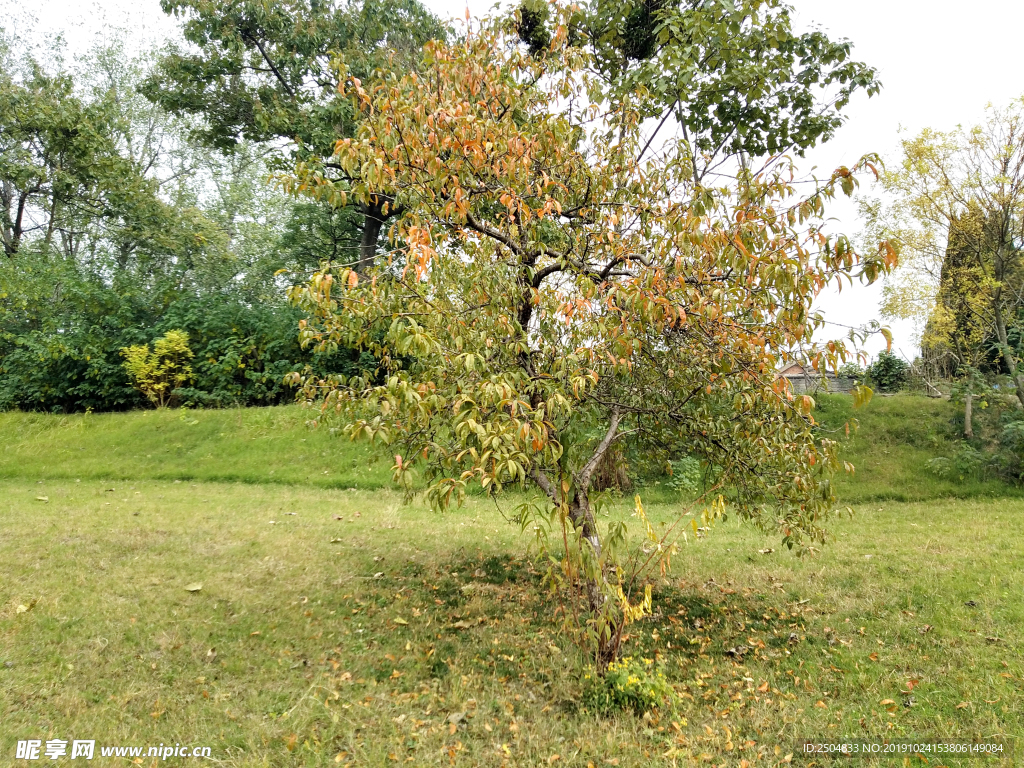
544	483
583	478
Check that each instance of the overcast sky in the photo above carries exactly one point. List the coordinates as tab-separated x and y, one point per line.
940	64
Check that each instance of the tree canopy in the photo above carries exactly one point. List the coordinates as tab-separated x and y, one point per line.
552	288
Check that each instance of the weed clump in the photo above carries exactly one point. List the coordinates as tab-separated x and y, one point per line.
630	684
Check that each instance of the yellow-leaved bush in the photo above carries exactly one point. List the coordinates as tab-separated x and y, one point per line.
157	372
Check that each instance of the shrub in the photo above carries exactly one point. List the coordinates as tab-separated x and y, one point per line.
158	373
966	464
850	370
888	373
628	684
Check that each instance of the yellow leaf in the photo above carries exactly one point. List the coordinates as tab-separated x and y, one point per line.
195	586
401	621
42	498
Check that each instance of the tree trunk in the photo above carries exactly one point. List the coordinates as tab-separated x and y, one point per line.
373	220
1008	357
583	518
968	412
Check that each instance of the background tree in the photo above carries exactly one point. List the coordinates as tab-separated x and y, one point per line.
957	218
735	77
261	72
552	291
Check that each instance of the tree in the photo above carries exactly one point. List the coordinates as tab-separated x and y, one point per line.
957	220
552	291
261	72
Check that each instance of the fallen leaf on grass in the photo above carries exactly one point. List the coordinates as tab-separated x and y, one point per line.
291	742
42	498
401	621
926	629
963	705
994	639
821	704
462	624
338	517
195	586
873	656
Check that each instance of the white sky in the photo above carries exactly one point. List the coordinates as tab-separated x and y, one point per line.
940	63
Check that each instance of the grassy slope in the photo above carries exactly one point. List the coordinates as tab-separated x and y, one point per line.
252	445
891	448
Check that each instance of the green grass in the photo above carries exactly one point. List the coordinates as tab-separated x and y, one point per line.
315	637
355	630
250	445
890	449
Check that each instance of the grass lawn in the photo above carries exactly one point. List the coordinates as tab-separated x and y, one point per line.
395	636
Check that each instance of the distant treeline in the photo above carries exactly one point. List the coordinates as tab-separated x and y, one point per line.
136	197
